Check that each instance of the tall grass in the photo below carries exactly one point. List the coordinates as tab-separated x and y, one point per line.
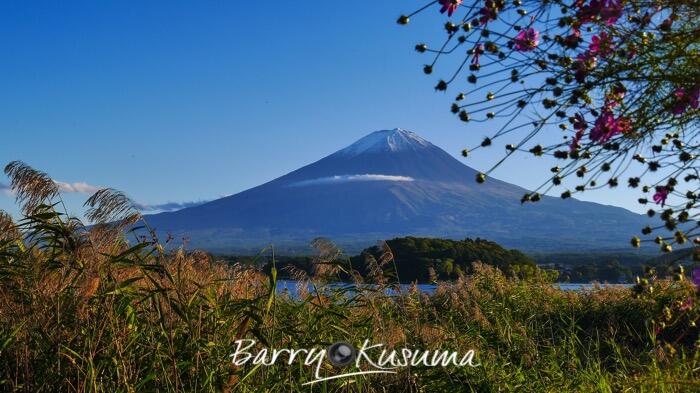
99	309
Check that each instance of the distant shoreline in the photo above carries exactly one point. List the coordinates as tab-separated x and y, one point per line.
292	286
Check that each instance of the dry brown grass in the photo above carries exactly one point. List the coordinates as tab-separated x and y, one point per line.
88	310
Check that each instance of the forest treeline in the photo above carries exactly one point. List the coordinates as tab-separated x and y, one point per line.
417	259
420	259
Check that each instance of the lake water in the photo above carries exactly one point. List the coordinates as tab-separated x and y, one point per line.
291	286
581	286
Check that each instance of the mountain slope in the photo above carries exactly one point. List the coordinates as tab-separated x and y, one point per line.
394	183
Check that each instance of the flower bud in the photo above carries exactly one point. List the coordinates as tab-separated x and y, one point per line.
441	86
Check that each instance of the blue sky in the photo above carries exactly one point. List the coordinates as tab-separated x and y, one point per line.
185	101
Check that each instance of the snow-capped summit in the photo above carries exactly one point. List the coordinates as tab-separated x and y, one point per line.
394	140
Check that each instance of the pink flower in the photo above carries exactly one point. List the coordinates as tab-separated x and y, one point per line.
450	6
575	141
616	95
601	45
687	304
660	197
666	24
680	105
580	126
658	330
580	122
585	63
608	11
694	97
607	125
696	276
572	39
603	127
685	99
679	93
587	13
478	50
527	40
487	15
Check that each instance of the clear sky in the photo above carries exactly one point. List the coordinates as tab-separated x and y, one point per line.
180	101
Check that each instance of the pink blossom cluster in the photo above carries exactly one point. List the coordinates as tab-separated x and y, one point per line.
661	195
580	126
527	40
685	99
608	125
601	46
607	11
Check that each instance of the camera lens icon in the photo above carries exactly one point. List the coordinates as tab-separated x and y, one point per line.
341	354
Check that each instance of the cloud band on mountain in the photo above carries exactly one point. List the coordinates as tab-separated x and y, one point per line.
166	207
349	178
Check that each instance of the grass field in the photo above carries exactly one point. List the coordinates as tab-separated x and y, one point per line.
83	309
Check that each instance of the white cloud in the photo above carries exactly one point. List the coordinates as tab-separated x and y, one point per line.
89	189
79	187
350	178
5	189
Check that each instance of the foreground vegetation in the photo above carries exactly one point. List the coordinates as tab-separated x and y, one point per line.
83	309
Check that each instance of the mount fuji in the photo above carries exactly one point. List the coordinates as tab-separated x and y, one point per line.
394	183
